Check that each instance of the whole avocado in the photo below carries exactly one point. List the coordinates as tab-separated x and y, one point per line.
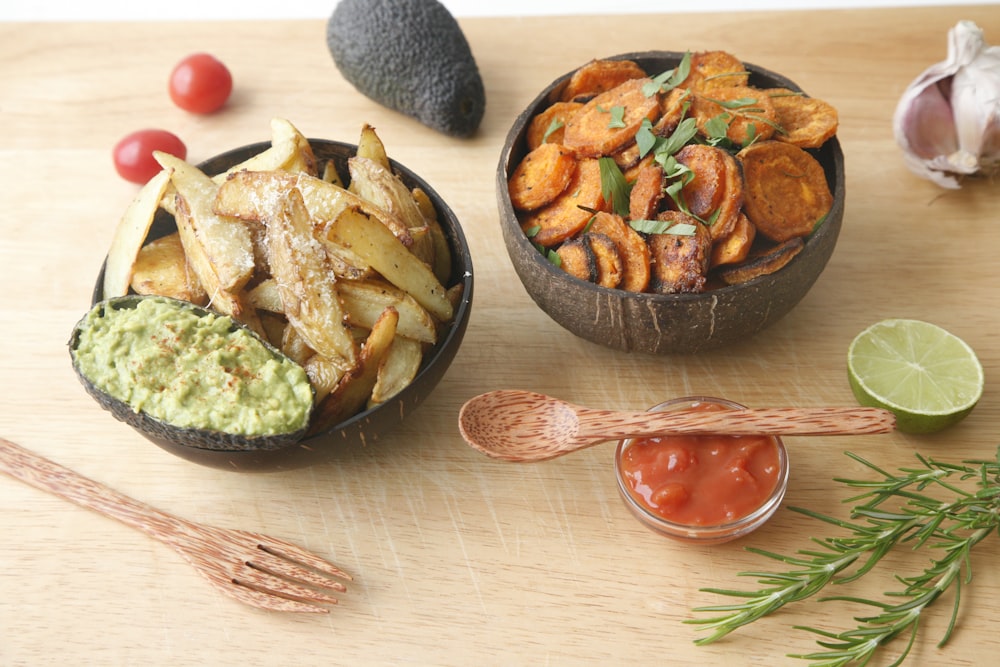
410	56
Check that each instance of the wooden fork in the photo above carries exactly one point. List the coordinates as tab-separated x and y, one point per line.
256	569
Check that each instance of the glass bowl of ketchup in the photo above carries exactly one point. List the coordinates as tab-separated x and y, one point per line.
705	489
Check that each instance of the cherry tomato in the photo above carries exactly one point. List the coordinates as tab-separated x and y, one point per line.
133	155
200	83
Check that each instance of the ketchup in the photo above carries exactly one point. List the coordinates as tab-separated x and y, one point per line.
701	480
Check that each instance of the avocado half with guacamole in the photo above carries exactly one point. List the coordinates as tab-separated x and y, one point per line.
176	371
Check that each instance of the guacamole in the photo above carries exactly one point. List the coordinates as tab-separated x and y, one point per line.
191	368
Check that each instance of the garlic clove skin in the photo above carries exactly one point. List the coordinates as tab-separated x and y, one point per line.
948	120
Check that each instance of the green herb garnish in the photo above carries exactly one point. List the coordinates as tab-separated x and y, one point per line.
894	510
614	187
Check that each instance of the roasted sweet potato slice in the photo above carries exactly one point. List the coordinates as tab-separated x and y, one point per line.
599	76
631	247
806	122
609	263
577	259
711	70
647	192
541	176
679	262
785	193
773	259
610	120
748	113
569	213
549	124
715	192
734	246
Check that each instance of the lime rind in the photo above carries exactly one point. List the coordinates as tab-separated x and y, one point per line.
929	378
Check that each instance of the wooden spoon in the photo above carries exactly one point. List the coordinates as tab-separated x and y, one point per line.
516	425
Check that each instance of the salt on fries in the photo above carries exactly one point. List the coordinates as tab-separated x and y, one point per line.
347	281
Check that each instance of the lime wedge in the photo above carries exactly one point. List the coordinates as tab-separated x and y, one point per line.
929	378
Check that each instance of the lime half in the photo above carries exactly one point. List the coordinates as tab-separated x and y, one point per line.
929	378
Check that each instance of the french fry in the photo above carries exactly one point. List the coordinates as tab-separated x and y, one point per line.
130	234
365	300
305	281
364	235
226	241
397	369
354	389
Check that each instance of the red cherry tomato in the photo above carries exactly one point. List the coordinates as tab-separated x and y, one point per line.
133	155
200	83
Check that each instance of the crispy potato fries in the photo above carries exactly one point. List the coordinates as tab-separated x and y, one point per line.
348	281
672	182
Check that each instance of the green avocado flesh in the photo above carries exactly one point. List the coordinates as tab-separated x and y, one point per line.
190	368
410	56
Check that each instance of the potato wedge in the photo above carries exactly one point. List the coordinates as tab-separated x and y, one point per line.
355	387
162	268
376	183
370	146
324	374
305	280
131	233
397	370
226	241
363	234
365	301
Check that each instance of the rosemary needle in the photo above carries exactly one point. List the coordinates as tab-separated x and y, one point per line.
890	511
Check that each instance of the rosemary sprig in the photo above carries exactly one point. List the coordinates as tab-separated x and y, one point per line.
892	510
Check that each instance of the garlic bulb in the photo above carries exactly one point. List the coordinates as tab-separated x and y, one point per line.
948	120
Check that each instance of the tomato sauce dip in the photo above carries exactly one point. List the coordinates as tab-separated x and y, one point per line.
701	480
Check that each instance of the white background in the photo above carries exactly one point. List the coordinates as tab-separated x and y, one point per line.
101	10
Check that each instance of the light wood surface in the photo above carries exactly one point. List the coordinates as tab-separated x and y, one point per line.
458	559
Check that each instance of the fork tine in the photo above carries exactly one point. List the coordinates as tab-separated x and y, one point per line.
263	599
270	583
278	564
293	553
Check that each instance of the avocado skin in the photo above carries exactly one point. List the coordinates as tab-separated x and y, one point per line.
159	431
410	56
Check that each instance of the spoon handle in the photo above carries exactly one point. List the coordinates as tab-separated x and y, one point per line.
611	425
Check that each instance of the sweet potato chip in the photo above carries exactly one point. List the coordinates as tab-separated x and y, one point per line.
610	266
774	258
549	125
541	176
734	246
711	70
569	213
631	246
784	190
715	193
679	261
610	120
806	122
748	114
577	259
599	76
647	192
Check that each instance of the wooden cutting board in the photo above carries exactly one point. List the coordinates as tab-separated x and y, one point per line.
459	559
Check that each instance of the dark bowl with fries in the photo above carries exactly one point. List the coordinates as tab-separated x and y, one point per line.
367	426
653	322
